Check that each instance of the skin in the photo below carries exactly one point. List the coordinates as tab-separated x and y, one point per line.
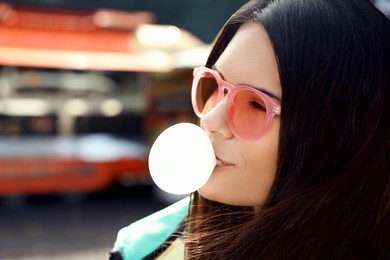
245	171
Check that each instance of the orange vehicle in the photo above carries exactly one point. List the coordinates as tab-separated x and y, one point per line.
38	48
44	165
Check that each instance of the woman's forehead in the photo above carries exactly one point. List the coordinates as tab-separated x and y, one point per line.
250	59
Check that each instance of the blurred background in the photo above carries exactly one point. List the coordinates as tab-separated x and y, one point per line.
85	88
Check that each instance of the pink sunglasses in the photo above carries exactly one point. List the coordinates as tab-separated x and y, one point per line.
249	111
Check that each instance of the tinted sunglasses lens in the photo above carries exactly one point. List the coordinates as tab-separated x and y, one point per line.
206	93
248	115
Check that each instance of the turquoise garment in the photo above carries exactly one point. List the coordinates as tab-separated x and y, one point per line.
146	235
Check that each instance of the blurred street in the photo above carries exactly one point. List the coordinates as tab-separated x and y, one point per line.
70	227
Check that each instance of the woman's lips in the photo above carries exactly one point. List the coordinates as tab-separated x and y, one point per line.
221	163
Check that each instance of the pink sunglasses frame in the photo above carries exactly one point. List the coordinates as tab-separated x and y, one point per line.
272	106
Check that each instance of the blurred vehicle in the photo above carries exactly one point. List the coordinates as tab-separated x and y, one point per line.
83	94
48	165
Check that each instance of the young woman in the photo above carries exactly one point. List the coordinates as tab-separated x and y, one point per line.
295	98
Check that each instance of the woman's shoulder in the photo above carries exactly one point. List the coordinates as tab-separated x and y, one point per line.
144	236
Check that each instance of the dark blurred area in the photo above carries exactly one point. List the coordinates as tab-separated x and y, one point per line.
71	227
85	88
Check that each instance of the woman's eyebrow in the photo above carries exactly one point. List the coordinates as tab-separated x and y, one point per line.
260	89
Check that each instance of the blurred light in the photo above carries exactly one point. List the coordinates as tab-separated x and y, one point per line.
191	58
79	60
105	18
158	58
76	107
111	107
5	87
102	19
25	107
160	36
89	148
383	6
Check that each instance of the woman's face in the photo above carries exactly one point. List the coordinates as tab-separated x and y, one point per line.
245	171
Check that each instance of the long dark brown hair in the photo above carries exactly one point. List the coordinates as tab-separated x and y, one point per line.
331	196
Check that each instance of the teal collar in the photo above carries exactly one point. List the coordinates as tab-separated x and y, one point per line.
146	235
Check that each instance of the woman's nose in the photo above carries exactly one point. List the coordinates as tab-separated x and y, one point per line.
214	122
